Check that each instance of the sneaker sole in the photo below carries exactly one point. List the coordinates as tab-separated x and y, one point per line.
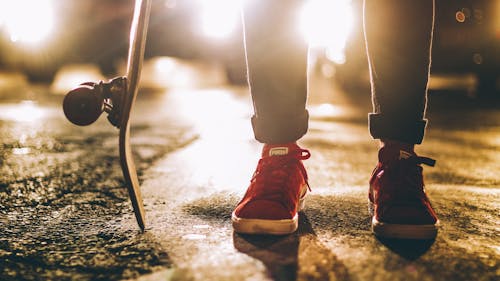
272	227
403	231
259	226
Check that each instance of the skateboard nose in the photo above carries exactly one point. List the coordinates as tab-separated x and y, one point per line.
82	106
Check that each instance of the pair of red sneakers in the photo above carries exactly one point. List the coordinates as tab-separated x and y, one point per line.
398	203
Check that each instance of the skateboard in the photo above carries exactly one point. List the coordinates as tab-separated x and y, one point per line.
84	104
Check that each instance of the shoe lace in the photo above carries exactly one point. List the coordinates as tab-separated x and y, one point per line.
408	179
418	160
274	174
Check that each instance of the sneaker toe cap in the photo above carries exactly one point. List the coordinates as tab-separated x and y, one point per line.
263	209
406	215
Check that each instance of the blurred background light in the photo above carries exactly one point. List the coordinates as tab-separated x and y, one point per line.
327	24
164	72
27	21
72	75
219	18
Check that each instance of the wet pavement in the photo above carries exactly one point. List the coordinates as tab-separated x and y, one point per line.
65	215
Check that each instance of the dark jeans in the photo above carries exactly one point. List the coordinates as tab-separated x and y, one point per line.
398	37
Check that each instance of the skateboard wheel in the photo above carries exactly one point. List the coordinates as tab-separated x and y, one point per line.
82	106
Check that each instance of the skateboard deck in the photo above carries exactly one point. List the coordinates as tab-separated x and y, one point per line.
84	104
138	34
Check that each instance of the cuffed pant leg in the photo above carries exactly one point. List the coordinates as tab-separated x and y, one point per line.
398	37
277	70
397	128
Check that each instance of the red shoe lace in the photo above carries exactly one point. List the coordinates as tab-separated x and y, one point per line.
275	174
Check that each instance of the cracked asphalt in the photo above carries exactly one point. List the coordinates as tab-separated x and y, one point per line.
65	214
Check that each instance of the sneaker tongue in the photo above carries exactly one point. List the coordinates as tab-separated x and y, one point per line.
278	150
404	154
387	154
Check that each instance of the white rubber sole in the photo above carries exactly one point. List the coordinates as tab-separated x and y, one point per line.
270	227
259	226
403	231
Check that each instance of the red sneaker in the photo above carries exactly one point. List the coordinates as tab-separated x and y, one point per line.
398	203
276	192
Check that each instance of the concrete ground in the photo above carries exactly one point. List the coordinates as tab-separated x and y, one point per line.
65	214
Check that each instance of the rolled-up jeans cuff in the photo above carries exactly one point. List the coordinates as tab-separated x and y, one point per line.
397	128
282	129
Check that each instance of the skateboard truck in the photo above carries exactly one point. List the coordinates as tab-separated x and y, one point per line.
84	104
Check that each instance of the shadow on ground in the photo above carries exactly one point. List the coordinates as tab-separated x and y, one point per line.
299	256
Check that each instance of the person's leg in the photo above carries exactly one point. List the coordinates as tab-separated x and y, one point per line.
277	70
277	74
398	36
